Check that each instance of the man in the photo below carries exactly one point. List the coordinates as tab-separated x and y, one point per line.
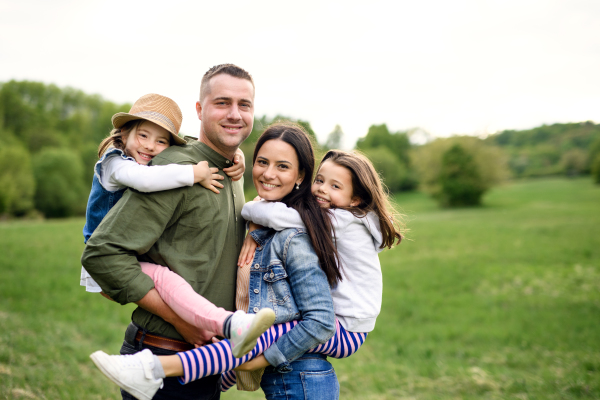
194	231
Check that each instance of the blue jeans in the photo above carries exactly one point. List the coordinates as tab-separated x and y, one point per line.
208	388
312	378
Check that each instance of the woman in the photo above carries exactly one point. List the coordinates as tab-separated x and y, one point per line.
291	273
283	165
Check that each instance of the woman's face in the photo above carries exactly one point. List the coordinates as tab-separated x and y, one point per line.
276	170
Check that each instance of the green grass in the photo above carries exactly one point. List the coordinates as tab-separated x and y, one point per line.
496	302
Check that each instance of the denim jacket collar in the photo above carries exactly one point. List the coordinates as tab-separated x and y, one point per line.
260	236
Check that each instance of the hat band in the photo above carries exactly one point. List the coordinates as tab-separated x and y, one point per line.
157	116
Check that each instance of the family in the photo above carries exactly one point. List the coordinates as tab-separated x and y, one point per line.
254	294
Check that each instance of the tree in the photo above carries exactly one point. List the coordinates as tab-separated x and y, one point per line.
596	169
543	150
594	153
398	145
17	184
574	162
43	115
392	172
334	139
489	161
59	180
460	181
380	136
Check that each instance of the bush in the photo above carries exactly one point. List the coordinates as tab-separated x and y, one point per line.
17	184
89	158
60	191
596	169
393	173
460	181
489	162
573	162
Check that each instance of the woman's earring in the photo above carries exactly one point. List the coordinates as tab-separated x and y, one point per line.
297	186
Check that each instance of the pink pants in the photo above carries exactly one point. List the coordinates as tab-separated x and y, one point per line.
184	301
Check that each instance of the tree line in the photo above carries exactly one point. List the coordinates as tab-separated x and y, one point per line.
50	139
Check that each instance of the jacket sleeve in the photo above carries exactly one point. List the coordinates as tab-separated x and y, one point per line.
272	214
130	229
310	290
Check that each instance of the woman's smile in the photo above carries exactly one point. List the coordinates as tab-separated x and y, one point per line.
276	170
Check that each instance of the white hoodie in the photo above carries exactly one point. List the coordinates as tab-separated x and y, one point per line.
357	298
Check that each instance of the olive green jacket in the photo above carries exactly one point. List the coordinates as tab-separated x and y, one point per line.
192	230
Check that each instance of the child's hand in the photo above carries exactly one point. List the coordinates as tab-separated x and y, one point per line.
236	171
207	177
254	364
248	247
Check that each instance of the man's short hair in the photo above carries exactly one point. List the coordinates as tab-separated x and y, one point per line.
229	69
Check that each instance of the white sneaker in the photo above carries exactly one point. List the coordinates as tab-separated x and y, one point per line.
246	328
133	373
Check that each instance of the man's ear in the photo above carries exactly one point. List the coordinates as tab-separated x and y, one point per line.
355	201
199	110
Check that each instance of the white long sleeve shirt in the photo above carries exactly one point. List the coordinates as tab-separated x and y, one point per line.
357	298
118	173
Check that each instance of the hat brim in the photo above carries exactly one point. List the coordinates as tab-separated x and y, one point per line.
120	119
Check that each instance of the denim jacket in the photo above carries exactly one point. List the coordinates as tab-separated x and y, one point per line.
285	276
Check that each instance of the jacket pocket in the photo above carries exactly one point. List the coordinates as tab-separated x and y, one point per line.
275	273
277	284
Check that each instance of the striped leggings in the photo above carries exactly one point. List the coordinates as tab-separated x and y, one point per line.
216	358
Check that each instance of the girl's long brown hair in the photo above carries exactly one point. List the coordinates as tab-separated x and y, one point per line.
316	219
118	137
367	186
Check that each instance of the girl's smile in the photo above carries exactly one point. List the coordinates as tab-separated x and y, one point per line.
147	140
333	186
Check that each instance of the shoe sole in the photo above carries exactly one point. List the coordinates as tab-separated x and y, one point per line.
264	320
100	358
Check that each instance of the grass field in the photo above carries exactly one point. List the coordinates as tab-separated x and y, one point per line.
496	302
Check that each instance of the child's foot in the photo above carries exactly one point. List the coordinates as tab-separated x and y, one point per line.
246	328
133	373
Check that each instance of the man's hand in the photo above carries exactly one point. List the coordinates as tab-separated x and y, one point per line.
254	364
155	304
207	177
191	334
236	171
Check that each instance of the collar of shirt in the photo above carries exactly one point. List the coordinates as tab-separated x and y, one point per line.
211	155
261	235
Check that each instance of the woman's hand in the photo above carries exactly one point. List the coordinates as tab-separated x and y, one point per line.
248	247
254	364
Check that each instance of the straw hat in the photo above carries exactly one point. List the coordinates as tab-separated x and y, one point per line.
154	108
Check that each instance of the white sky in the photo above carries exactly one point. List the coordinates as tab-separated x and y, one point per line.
461	66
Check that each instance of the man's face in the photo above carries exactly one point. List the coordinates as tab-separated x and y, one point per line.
227	113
